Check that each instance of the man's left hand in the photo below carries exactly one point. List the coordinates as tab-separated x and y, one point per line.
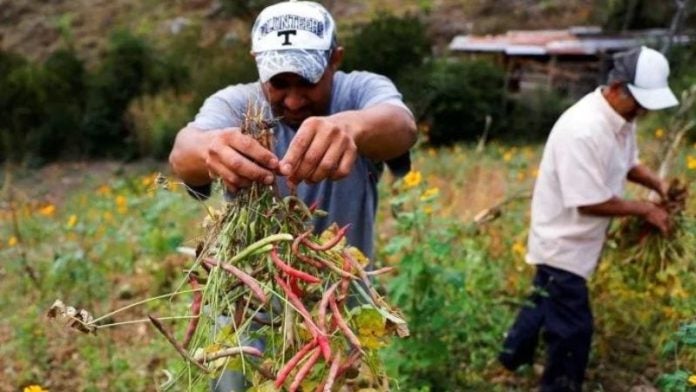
321	149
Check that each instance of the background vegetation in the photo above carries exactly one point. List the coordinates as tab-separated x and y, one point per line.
103	234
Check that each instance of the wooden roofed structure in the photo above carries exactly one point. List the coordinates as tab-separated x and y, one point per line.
572	61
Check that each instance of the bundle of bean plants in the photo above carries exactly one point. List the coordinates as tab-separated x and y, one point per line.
652	251
290	309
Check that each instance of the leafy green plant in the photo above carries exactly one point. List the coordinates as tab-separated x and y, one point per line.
531	116
129	70
387	45
682	344
443	281
457	98
156	120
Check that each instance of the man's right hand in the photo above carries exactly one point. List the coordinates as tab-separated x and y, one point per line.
239	160
658	217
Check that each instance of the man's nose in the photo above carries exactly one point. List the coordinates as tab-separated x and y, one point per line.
294	100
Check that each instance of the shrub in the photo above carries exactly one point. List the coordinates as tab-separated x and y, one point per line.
532	115
444	281
454	98
245	9
212	67
679	346
387	45
681	59
156	120
61	133
129	70
11	117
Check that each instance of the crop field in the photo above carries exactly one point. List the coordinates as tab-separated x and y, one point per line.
101	236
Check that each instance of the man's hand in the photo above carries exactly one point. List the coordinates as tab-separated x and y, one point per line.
658	217
651	212
321	149
239	160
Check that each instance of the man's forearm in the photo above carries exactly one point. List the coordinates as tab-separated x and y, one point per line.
617	207
188	156
381	132
642	175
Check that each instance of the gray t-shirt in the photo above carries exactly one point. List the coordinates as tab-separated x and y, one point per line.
351	200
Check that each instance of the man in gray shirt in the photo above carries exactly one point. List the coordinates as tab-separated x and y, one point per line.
335	128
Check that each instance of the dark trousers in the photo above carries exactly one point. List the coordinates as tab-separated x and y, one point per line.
559	308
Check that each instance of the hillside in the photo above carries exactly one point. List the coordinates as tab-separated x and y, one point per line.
35	28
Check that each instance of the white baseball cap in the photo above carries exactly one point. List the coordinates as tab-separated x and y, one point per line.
646	72
293	36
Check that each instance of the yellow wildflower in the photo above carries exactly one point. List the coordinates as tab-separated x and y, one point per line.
692	379
528	152
104	190
72	220
691	162
659	133
35	388
48	210
429	193
412	179
148	180
121	204
507	157
519	248
428	210
12	241
108	216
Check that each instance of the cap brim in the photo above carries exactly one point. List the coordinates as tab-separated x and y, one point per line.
309	64
654	99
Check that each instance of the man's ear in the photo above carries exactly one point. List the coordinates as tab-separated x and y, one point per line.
336	58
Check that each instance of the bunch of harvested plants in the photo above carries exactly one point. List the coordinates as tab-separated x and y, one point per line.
643	243
290	309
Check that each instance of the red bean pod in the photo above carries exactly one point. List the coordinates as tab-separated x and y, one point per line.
290	271
328	244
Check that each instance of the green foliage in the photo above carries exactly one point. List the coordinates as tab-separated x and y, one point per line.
681	345
213	67
442	284
60	133
532	115
681	60
455	98
42	104
156	119
637	14
22	99
245	9
129	70
56	109
91	250
387	45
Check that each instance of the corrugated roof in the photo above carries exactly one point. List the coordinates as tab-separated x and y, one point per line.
578	40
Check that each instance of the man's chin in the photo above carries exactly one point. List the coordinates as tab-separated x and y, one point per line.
293	121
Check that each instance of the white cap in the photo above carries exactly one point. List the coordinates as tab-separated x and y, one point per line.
649	86
293	36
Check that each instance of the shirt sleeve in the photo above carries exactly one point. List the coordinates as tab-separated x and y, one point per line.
581	171
370	89
221	110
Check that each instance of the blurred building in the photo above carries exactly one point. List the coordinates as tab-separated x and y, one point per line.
572	61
